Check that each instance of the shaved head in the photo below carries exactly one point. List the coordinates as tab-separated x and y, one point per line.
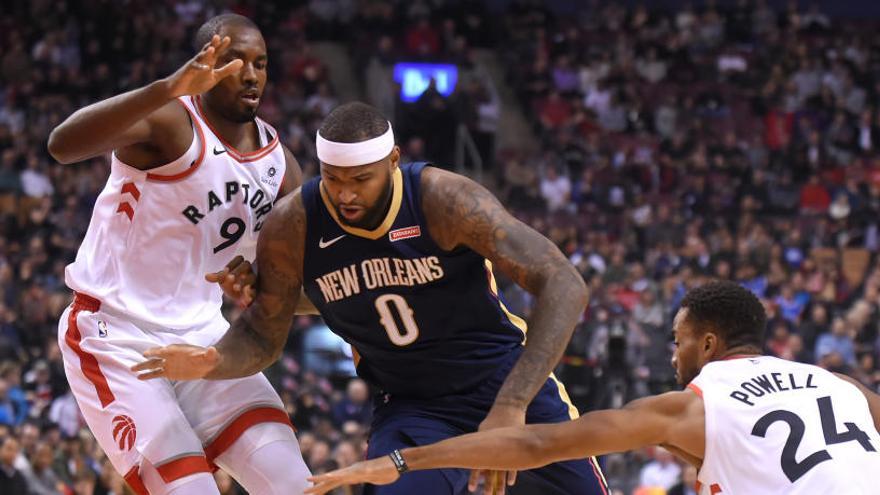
213	26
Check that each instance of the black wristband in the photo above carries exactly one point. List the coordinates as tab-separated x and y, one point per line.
399	462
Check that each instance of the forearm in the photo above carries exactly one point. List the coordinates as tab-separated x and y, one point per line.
558	307
501	448
527	447
244	351
94	129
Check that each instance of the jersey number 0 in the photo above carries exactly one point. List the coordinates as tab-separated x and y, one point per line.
384	305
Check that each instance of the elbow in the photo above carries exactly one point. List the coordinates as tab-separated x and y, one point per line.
275	356
580	293
272	353
57	148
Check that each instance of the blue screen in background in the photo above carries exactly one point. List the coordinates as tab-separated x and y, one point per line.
414	79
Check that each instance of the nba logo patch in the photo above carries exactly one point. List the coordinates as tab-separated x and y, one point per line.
102	328
405	233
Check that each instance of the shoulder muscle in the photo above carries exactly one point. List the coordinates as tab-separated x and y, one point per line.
292	173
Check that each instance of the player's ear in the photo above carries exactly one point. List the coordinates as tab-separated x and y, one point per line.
395	157
710	343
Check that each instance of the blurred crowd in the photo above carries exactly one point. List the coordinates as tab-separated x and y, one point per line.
735	142
675	145
55	58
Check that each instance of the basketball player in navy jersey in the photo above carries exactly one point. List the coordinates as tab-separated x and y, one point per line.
398	260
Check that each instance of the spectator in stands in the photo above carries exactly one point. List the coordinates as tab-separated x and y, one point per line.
41	479
662	472
555	189
11	479
837	342
355	406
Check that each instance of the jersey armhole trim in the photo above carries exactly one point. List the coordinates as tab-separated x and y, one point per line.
196	163
709	433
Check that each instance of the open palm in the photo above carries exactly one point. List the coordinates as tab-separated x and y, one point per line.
199	74
177	362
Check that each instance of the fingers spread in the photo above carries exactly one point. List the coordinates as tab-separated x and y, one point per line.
234	262
248	296
231	68
217	276
149	364
155	352
474	480
152	375
224	44
243	269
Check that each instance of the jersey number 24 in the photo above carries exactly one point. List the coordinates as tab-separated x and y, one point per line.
790	466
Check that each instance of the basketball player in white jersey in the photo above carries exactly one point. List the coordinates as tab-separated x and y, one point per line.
751	424
194	172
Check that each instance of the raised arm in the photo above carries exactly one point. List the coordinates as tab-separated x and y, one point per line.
460	212
255	340
147	116
674	419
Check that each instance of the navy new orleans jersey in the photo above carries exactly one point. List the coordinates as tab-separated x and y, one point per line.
431	332
424	321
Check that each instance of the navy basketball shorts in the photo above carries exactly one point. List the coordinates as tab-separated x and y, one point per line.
401	423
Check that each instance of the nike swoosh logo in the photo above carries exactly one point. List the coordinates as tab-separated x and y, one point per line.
322	244
222	150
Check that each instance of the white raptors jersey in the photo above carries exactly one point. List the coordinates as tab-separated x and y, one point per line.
780	427
155	234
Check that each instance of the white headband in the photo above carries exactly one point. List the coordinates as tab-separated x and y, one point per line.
355	154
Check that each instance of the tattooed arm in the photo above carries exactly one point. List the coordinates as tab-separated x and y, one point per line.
257	337
460	212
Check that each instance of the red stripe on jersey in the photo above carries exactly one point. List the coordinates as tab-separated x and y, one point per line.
697	390
195	164
133	478
183	467
132	189
237	426
127	209
88	362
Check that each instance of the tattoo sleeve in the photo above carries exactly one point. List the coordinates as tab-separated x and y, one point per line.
257	338
462	213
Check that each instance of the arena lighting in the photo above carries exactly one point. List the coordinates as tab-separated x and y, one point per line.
415	77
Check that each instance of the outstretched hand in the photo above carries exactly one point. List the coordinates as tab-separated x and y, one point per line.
200	73
177	362
495	482
380	471
237	279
